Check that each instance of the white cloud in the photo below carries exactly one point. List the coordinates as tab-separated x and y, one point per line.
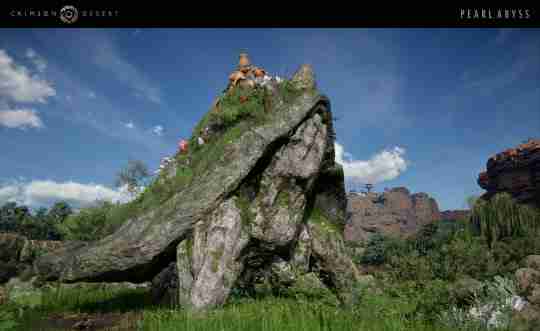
46	192
158	130
129	125
385	165
91	95
37	60
21	118
18	85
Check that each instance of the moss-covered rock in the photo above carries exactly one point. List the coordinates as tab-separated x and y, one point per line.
260	199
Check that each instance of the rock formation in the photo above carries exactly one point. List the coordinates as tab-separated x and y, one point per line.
395	212
270	205
17	253
515	171
454	215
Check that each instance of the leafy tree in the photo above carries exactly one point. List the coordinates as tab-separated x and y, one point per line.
12	216
471	201
375	250
59	212
502	217
134	175
87	225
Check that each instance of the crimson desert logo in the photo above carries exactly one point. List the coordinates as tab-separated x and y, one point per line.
67	14
495	13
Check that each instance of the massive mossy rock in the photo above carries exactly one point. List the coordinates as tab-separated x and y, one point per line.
270	207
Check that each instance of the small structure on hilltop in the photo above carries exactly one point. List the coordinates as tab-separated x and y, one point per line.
247	75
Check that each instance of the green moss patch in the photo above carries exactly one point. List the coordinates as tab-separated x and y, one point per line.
216	256
246	214
318	217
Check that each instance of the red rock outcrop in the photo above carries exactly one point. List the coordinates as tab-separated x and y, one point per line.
515	171
395	212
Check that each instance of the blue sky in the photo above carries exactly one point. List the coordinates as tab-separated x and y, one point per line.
417	108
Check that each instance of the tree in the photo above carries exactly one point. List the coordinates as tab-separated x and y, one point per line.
59	212
471	201
133	176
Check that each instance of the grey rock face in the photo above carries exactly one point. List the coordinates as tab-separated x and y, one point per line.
248	219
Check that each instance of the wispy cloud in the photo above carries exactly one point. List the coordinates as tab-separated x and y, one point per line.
383	166
38	61
22	118
18	85
129	125
46	192
109	58
158	130
91	95
525	63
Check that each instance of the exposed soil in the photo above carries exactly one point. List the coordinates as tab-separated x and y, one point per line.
89	322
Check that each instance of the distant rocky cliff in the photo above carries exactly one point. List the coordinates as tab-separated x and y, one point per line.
395	212
515	171
454	215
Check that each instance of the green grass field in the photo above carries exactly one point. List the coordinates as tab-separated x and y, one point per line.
61	309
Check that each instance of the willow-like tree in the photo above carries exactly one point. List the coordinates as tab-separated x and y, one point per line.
502	217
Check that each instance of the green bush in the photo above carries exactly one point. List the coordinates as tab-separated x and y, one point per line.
375	251
87	225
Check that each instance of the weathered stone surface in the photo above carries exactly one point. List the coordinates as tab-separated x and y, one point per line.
515	171
533	262
395	212
17	253
534	297
526	279
11	246
304	78
249	218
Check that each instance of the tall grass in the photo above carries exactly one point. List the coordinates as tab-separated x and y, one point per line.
267	313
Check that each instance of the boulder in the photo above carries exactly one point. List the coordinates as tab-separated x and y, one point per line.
533	262
526	279
271	206
515	171
17	254
534	297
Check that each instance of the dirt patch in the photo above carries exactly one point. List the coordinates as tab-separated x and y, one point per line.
90	322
